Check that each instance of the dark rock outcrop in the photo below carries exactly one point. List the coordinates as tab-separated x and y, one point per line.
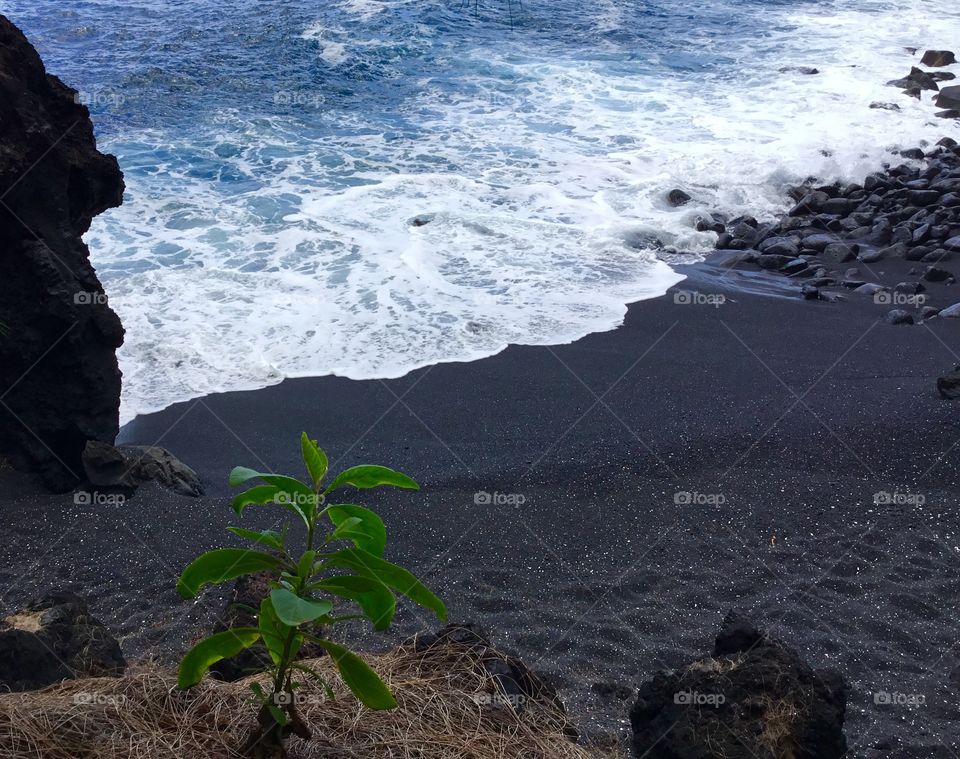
937	58
126	467
59	381
753	698
55	639
949	98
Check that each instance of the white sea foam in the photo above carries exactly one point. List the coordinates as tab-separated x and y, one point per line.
533	177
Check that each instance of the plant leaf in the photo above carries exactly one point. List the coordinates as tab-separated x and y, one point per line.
220	565
278	714
391	575
293	610
314	458
363	681
211	650
274	633
269	538
371	525
305	565
375	599
369	476
300	495
259	494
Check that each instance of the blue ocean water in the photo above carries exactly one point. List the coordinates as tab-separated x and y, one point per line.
277	153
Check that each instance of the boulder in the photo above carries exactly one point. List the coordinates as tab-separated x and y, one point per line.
949	98
840	252
936	274
936	58
898	316
55	639
678	198
951	312
58	363
126	467
754	697
780	246
897	250
884	106
925	80
773	261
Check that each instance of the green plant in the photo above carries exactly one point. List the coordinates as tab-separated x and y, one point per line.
307	589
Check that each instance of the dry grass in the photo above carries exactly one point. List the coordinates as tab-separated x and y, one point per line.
447	710
779	731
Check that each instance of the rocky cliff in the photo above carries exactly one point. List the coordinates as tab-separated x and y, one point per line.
59	381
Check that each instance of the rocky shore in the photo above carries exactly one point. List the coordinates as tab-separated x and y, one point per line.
852	240
781	446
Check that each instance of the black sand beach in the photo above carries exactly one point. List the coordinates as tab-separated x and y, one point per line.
781	418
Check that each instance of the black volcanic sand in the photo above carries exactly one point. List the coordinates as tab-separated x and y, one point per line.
785	415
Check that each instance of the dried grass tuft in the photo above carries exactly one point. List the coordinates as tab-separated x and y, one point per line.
447	709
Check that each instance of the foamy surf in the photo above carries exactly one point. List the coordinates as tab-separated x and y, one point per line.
275	238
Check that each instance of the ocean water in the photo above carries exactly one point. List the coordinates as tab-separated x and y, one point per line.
277	153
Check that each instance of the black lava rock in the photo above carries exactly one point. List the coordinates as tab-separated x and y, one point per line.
55	639
754	697
937	58
949	98
898	316
935	274
55	181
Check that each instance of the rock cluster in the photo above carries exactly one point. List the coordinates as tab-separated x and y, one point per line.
59	381
752	698
918	81
55	639
833	234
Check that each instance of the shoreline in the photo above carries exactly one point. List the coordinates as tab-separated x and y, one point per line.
600	575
